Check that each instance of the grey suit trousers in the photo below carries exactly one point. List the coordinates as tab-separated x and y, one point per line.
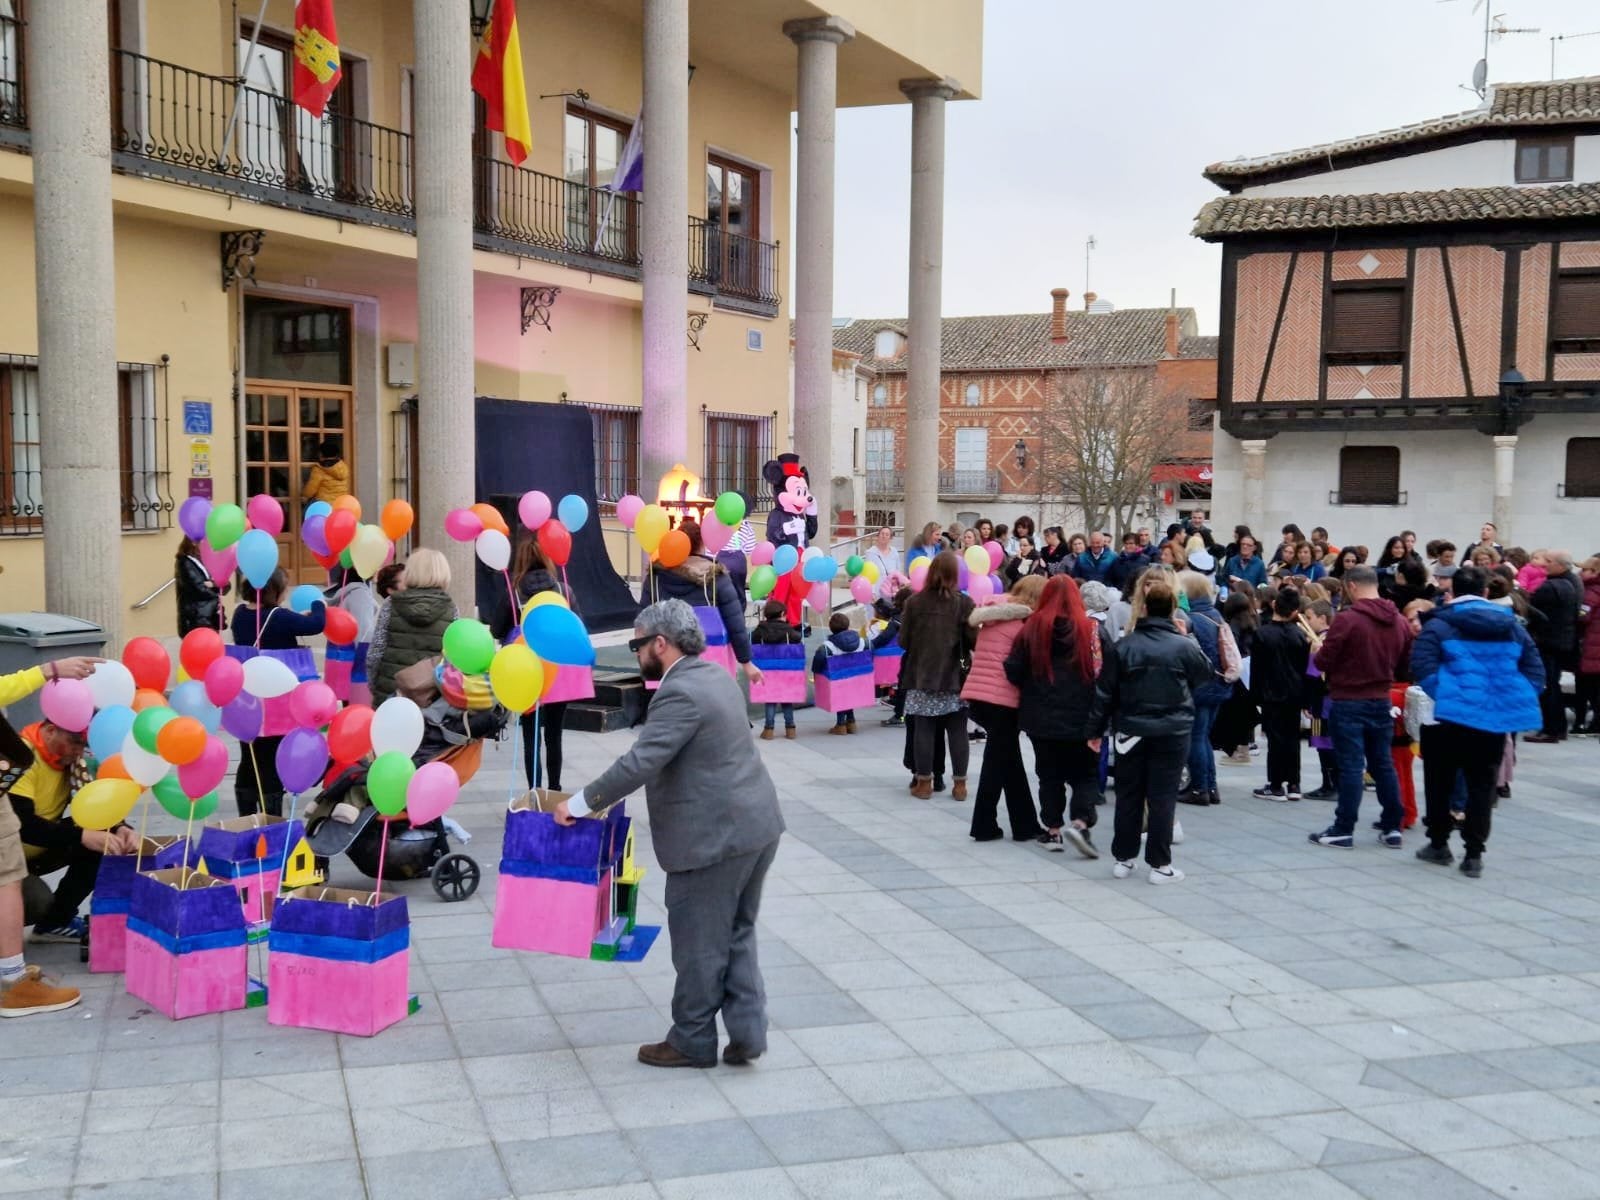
711	916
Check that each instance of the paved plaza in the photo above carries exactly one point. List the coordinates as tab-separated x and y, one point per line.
949	1019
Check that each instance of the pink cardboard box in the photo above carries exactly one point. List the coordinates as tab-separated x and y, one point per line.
339	961
186	951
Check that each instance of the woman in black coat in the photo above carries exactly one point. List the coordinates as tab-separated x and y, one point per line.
534	573
702	583
938	641
199	597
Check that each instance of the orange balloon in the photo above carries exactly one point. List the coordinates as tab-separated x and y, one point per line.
112	768
491	518
181	741
396	519
348	503
674	548
550	670
147	698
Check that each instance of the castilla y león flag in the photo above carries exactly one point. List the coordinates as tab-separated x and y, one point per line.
317	70
497	77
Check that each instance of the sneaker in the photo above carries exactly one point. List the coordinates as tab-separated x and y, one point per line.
1197	798
1330	837
1325	792
1122	869
1080	841
1391	839
1053	842
1216	796
345	813
893	722
1255	749
1271	792
1503	792
1293	791
1166	874
33	993
1472	866
1438	855
74	931
1177	832
977	735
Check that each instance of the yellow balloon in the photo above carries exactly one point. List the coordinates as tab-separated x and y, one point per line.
368	551
870	570
516	677
977	560
540	599
103	803
650	527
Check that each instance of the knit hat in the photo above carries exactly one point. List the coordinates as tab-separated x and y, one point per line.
1096	596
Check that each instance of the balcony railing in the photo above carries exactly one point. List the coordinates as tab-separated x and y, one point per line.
969	483
570	222
885	483
731	264
13	76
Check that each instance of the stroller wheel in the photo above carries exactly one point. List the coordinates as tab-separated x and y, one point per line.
456	877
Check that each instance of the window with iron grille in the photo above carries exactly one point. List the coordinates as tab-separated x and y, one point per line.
1575	317
1367	324
736	447
1583	468
1200	414
616	452
1369	475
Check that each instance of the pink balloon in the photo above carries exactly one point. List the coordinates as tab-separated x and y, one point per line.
463	524
714	535
919	574
981	589
432	790
997	555
861	589
534	509
220	563
821	597
68	703
761	556
224	680
313	704
265	514
204	773
628	509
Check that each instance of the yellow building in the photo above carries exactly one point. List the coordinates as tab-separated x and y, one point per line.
266	291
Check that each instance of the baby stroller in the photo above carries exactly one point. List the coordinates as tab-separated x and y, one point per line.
449	735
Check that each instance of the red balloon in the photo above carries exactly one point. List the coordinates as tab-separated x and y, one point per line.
339	529
148	662
327	561
556	542
340	627
350	734
199	649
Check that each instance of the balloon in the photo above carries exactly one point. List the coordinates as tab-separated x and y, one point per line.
762	580
268	678
628	509
650	526
730	509
462	524
996	553
980	589
313	532
397	727
317	508
339	530
468	645
301	759
964	573
345	561
204	773
143	766
977	559
1000	588
573	511
340	627
109	729
189	699
242	716
224	679
784	559
556	542
430	792
870	571
112	768
147	698
198	650
714	535
861	590
350	734
534	509
203	807
491	518
762	554
265	514
387	780
348	503
258	557
147	727
556	635
673	549
919	574
67	703
396	520
303	597
102	803
854	565
540	599
820	569
494	549
148	662
219	564
516	677
181	740
821	598
369	551
192	514
313	703
224	525
173	799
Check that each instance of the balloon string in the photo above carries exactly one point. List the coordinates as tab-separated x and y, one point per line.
138	854
383	847
538	779
511	595
511	787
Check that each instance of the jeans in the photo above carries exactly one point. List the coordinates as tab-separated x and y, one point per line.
1062	765
1147	776
788	715
1362	733
1449	749
1002	771
1280	721
551	719
1202	758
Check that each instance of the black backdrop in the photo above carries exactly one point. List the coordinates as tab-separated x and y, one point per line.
550	447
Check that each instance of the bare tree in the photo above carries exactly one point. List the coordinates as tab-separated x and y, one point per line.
1106	429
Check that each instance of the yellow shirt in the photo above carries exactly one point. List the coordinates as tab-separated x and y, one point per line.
49	788
19	684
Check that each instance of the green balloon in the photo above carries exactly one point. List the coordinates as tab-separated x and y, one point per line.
345	561
853	565
730	509
169	794
386	782
147	727
468	646
224	526
762	580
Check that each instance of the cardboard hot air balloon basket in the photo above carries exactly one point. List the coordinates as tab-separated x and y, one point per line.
186	952
113	891
339	960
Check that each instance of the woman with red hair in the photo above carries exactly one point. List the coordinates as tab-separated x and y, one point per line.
1053	664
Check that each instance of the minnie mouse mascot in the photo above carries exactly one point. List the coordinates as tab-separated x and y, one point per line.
792	523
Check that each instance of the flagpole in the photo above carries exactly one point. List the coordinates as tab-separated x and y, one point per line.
244	75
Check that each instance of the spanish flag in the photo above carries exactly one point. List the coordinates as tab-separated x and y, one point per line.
497	77
317	70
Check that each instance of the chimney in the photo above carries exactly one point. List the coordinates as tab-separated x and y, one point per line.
1058	315
1088	301
1172	333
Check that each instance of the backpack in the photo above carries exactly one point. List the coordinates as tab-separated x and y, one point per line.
1227	651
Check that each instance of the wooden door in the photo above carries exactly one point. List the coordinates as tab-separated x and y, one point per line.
284	428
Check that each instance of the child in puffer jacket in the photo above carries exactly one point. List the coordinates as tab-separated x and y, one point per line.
775	630
841	640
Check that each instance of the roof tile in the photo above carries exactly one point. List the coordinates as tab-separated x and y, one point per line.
1230	215
1022	340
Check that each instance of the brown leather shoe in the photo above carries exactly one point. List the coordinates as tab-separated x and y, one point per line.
33	993
736	1055
791	733
959	790
665	1054
922	789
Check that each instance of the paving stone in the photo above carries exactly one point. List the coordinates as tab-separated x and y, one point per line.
707	1148
938	1124
835	1133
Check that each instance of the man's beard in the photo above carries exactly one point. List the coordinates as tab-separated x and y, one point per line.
650	666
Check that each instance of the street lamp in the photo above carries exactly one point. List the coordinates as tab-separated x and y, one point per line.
480	16
1021	449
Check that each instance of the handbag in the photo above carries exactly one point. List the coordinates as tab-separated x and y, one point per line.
419	682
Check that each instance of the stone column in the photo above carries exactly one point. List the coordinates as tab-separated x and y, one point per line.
923	328
1505	472
1255	484
446	392
818	40
68	81
664	421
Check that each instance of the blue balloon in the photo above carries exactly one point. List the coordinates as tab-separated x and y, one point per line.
556	635
784	559
110	728
304	596
258	556
819	569
189	700
573	512
317	508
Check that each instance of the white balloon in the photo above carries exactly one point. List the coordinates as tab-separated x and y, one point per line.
268	678
111	683
809	553
143	768
494	549
397	725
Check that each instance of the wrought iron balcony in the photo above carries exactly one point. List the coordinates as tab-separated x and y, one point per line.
732	266
885	484
13	76
969	483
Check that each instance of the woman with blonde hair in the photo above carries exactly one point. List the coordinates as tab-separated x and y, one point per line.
411	623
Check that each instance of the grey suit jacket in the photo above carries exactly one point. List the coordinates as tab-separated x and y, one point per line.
707	790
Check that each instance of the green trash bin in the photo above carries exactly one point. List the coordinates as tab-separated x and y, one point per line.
31	639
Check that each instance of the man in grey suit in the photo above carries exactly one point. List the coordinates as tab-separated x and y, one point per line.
715	824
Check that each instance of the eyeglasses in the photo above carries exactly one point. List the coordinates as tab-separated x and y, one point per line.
639	643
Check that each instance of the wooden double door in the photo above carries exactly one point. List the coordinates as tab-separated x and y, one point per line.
285	426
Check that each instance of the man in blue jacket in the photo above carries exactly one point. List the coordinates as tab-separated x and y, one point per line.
1245	567
1095	562
1484	675
1126	565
